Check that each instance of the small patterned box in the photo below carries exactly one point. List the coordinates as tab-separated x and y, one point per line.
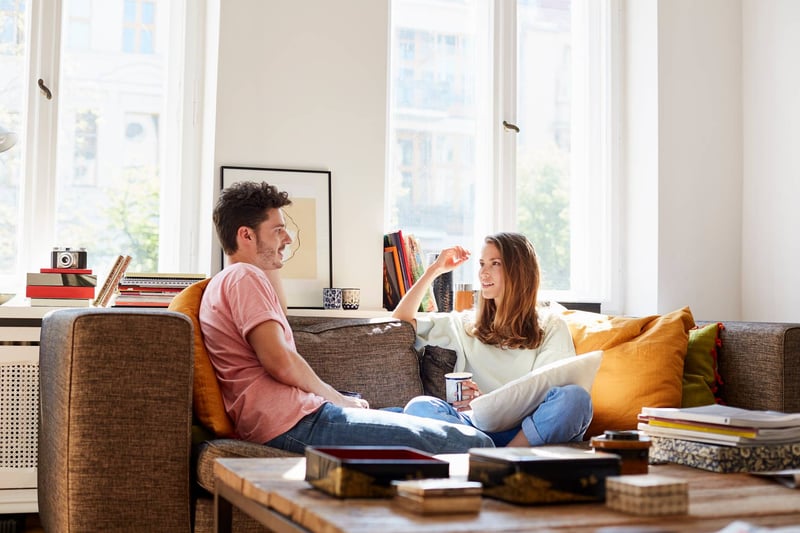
725	459
649	494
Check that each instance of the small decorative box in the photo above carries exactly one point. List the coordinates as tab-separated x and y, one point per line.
368	471
725	459
631	446
438	496
648	494
542	474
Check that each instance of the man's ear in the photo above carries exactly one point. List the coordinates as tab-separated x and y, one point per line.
244	233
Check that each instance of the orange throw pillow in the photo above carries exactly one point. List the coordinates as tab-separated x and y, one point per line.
642	363
207	403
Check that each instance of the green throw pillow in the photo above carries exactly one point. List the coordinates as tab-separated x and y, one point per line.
700	377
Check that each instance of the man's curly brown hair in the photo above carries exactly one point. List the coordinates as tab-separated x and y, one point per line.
245	203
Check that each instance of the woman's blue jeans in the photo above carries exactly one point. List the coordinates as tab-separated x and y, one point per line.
563	416
331	425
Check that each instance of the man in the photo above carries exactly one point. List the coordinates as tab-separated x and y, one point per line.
270	392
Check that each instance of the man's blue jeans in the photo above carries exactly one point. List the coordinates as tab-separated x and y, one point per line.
563	416
331	425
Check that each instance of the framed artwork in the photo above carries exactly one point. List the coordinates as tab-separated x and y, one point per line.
308	262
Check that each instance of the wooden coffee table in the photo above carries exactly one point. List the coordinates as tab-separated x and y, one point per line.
273	491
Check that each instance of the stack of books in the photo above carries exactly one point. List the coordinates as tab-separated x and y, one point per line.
152	289
723	439
403	265
721	424
61	287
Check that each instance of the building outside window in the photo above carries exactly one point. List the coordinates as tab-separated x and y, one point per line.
99	174
456	174
79	24
85	159
139	30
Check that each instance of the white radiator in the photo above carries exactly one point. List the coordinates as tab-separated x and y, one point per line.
19	408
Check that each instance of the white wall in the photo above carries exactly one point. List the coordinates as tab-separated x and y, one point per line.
771	214
639	158
683	158
711	147
303	84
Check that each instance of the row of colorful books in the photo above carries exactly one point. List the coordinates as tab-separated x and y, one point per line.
403	265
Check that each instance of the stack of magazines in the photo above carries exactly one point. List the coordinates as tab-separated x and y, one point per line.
721	424
152	289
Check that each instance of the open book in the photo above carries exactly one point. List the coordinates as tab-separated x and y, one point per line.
111	283
725	415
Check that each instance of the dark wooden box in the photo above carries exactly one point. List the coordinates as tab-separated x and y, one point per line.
542	475
367	471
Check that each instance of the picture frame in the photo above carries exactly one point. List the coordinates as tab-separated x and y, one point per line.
308	266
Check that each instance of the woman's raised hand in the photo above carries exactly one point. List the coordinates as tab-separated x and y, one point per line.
448	259
451	257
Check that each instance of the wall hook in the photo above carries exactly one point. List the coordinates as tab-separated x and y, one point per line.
45	89
510	126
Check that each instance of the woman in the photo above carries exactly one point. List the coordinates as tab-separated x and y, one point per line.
507	336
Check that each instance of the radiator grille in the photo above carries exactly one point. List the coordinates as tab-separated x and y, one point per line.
11	525
19	412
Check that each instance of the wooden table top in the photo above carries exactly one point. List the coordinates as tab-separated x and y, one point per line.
715	501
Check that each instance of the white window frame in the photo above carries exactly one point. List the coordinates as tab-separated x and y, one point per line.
593	193
182	196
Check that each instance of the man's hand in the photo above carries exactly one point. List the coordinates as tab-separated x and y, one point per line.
352	401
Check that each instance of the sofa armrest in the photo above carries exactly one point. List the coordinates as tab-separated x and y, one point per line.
374	357
759	363
115	418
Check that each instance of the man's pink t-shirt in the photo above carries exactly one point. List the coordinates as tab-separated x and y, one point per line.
236	301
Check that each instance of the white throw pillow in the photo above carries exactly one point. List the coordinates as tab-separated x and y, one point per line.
504	408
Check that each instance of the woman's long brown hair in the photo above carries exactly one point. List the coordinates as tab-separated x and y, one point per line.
515	324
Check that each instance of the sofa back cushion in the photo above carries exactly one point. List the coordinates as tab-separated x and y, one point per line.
435	362
642	363
701	379
374	357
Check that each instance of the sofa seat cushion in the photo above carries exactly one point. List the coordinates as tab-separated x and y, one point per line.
208	452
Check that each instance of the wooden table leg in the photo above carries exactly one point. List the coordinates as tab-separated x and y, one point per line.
226	498
223	514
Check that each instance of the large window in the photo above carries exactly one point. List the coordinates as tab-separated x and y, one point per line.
93	90
499	120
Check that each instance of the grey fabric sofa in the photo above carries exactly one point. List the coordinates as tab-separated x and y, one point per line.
115	450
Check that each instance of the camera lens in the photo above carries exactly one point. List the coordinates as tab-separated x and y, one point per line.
65	260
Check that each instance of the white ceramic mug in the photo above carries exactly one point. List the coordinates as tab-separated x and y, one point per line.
453	382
